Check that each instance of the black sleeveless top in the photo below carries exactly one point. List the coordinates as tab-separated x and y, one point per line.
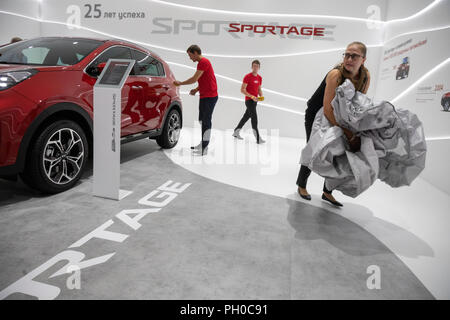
316	101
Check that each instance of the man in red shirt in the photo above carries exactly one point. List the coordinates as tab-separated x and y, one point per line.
207	86
251	88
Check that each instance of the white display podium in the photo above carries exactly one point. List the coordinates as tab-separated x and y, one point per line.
107	125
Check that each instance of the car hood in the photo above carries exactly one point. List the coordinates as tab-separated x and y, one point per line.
17	67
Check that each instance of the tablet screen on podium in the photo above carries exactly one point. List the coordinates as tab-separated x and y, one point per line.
114	73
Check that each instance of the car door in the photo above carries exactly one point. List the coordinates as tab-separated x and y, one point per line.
132	92
156	98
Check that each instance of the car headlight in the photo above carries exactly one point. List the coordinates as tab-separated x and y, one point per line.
10	79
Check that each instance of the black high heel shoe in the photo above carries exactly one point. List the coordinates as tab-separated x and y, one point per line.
201	152
197	147
336	203
308	197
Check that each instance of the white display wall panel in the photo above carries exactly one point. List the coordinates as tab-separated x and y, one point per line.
423	39
291	66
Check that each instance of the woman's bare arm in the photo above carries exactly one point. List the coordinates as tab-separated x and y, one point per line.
332	82
366	87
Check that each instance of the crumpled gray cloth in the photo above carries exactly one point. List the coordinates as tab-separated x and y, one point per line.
393	147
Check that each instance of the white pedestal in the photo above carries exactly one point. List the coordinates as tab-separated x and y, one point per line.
107	126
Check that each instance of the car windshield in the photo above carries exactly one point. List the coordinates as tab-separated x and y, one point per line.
48	51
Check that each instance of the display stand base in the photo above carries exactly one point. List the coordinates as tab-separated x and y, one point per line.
122	194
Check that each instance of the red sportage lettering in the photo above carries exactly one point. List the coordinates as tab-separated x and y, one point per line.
306	31
259	28
293	29
235	27
248	27
282	28
271	29
319	32
263	29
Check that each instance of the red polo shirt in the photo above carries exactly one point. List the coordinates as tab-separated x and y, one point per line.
207	82
253	83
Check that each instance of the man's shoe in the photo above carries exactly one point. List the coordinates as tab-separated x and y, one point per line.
258	138
336	203
237	135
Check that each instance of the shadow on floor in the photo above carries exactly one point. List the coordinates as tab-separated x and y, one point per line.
16	191
348	233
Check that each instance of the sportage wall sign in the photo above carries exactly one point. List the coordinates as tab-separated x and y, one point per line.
275	29
165	25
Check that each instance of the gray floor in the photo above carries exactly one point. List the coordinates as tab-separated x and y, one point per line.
214	241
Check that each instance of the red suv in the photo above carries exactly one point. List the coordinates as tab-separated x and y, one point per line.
46	105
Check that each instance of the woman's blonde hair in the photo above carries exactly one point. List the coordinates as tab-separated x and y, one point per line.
363	72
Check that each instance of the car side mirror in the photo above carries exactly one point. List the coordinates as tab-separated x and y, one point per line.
100	67
96	71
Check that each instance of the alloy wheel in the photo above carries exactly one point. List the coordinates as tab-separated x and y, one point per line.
174	128
63	156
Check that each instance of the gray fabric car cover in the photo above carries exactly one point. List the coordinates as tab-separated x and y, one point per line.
393	147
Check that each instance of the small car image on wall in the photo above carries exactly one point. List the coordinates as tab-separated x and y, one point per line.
445	101
403	69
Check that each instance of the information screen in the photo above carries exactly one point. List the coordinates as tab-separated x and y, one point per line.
114	73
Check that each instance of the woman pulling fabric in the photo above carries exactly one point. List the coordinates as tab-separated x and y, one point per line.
351	68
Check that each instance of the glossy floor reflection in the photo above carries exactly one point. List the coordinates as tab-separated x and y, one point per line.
213	241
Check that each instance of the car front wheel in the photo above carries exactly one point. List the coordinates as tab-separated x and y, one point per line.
57	158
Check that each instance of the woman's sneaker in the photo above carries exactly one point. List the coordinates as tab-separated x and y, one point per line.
237	135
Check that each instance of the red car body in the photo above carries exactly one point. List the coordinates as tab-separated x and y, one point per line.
69	90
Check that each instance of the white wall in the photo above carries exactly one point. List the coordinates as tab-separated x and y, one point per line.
13	25
424	89
296	76
291	67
